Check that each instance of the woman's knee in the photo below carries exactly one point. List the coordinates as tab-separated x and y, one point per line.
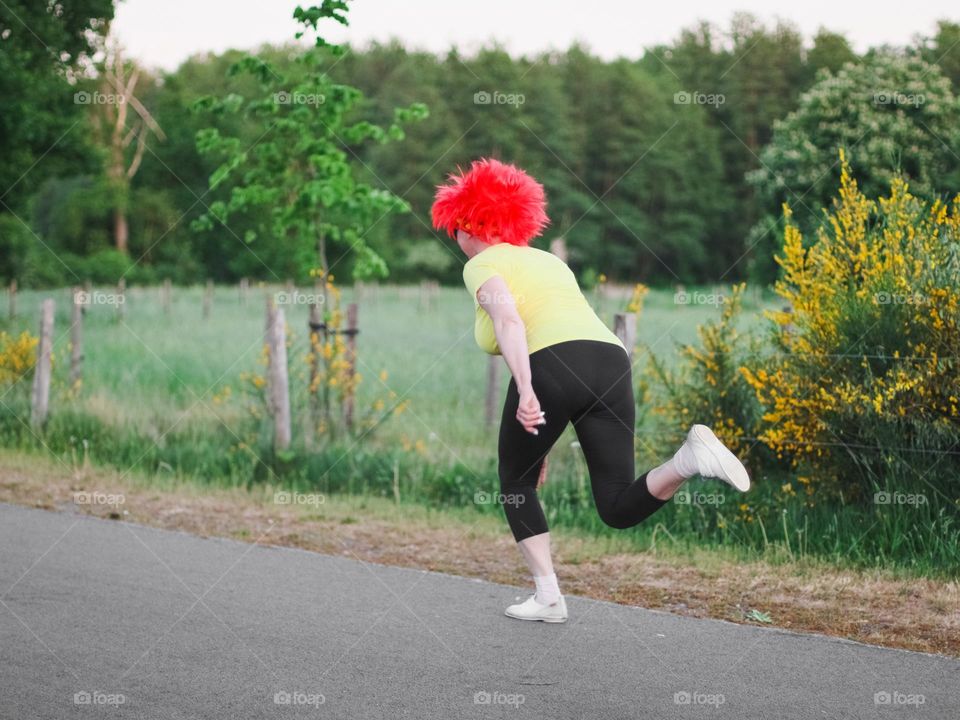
614	517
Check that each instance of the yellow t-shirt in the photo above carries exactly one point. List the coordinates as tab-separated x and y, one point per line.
546	294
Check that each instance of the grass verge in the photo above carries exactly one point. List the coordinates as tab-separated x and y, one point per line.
878	607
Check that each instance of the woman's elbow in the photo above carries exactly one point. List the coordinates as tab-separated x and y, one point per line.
508	322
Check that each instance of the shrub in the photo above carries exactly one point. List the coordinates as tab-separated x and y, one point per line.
18	356
706	386
864	383
896	116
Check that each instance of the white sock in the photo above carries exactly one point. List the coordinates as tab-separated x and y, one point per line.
685	462
548	591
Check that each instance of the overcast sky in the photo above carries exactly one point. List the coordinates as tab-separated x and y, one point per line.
162	33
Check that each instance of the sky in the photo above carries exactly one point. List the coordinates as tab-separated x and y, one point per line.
163	33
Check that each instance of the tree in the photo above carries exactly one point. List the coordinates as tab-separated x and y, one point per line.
296	180
943	49
760	73
119	118
43	47
891	113
831	51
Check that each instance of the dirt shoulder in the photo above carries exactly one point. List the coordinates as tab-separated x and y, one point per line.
871	607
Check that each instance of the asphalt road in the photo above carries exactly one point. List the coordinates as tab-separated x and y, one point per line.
105	619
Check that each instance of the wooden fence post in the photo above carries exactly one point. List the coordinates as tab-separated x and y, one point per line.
279	387
41	374
558	246
429	292
351	363
207	299
165	296
316	349
244	289
424	295
493	389
12	297
625	328
76	339
268	342
121	298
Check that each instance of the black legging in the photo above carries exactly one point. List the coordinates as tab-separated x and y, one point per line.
588	383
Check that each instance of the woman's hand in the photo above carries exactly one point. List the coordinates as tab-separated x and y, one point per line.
529	413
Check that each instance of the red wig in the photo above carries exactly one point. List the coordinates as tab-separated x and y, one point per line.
492	200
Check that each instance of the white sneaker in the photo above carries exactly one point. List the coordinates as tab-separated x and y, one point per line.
530	609
714	459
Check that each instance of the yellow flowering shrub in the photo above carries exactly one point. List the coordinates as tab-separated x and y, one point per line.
18	356
322	378
864	378
705	386
635	304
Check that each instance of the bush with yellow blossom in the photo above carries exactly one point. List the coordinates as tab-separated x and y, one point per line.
863	385
706	386
18	356
322	378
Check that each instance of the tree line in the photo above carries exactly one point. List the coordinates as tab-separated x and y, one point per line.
668	167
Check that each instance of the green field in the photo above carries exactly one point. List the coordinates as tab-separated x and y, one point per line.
154	400
153	371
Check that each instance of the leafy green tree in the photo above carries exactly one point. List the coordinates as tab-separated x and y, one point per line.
943	49
760	73
830	51
296	181
388	75
892	114
43	45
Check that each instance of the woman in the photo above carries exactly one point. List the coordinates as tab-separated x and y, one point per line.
566	366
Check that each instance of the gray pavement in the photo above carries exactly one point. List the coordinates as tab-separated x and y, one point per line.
102	618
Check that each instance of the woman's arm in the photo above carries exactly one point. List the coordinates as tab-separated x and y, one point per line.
494	296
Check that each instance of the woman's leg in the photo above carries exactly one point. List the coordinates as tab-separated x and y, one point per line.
664	480
521	455
605	429
536	551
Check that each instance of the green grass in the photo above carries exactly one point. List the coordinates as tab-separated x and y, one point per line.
147	406
149	370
